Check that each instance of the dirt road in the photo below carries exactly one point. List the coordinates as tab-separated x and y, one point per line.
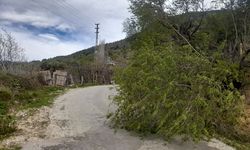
78	122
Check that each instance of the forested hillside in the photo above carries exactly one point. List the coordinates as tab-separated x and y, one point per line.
87	55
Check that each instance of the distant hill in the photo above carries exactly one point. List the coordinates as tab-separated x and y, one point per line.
88	53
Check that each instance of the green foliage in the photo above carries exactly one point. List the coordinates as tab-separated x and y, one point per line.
168	90
38	98
5	94
14	82
6	122
5	99
53	65
7	126
13	148
3	108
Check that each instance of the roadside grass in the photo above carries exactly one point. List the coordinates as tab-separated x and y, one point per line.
21	100
7	126
38	98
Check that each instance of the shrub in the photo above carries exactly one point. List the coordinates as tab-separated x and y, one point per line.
171	91
3	108
29	83
41	79
6	122
7	126
24	96
17	82
5	94
5	80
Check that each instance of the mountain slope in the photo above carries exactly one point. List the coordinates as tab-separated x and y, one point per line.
87	54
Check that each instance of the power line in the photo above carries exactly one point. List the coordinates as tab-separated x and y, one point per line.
72	21
66	7
69	5
63	5
74	12
73	9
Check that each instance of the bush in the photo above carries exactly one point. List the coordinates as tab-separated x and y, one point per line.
171	91
3	108
29	83
24	96
6	122
7	126
5	94
5	79
19	83
41	79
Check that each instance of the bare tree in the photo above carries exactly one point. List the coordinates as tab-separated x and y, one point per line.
100	54
239	11
192	14
10	51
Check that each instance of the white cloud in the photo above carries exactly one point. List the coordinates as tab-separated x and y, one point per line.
49	37
75	17
65	27
37	19
28	17
37	49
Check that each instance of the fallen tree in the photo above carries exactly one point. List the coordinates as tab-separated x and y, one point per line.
171	91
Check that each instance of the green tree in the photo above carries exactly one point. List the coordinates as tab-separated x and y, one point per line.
238	31
170	91
169	87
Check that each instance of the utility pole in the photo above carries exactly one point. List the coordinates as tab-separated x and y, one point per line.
95	77
97	34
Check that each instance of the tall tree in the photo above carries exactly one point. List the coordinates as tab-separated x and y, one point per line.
237	13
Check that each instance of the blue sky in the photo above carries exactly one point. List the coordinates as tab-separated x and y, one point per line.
49	28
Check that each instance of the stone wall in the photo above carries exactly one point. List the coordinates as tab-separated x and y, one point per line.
57	78
60	78
47	77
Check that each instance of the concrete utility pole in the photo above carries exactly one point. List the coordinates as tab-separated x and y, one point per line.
97	34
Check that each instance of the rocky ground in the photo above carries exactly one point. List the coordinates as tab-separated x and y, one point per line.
31	125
